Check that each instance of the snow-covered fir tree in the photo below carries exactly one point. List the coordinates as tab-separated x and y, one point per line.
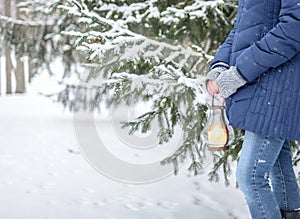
155	51
133	51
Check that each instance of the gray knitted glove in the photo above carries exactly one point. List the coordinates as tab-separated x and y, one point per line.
229	81
214	73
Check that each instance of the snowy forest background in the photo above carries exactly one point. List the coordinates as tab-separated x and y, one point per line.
116	52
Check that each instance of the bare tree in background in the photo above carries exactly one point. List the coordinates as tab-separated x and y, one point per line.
9	66
13	66
19	69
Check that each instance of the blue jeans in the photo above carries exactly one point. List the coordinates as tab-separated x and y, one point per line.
266	177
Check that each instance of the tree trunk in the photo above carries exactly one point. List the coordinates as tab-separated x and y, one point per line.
9	66
20	77
30	70
19	71
2	49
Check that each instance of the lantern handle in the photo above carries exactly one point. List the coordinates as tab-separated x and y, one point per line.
213	100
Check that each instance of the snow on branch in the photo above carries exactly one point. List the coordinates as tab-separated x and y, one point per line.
196	10
136	12
162	80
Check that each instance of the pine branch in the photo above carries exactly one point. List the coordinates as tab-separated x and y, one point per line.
114	44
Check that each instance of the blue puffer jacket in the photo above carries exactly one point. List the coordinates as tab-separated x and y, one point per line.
264	45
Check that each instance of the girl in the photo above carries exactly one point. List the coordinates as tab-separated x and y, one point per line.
257	71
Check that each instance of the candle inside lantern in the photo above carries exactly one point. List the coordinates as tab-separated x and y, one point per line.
217	136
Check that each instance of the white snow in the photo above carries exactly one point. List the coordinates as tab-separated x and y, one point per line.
45	176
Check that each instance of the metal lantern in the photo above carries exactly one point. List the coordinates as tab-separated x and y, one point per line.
217	134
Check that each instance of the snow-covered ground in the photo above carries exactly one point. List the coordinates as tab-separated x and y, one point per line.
43	175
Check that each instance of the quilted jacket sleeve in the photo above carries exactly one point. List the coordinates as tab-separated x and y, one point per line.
223	54
278	46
